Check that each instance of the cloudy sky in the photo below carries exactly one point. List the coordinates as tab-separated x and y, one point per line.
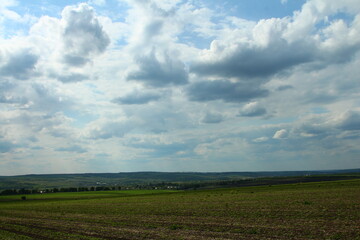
179	85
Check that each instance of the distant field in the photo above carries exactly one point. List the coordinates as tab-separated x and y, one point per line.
83	195
324	210
48	181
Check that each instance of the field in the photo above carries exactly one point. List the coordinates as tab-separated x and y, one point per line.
323	210
133	179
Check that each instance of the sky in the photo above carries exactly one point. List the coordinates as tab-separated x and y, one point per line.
179	85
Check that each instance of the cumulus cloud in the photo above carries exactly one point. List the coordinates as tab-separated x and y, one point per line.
72	149
224	90
105	129
6	146
260	139
323	126
158	57
279	45
36	97
19	64
55	124
47	98
280	134
176	70
245	60
137	97
159	148
211	117
316	11
9	99
159	73
349	120
82	34
154	23
59	48
284	87
6	13
311	128
98	2
252	109
8	95
72	77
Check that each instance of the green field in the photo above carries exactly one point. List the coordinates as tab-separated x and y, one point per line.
182	179
324	210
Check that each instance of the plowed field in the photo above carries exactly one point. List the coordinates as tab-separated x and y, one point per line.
325	210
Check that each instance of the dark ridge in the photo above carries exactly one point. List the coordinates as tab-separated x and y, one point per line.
42	181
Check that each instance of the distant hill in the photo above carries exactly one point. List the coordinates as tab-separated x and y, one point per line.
39	181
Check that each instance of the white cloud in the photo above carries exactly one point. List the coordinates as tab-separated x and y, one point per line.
252	109
224	90
260	139
19	64
281	134
98	2
105	129
137	97
5	13
83	36
211	117
278	45
158	73
179	84
350	120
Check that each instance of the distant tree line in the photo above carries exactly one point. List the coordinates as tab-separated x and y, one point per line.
187	185
149	186
55	190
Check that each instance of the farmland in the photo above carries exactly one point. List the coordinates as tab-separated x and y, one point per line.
318	210
133	179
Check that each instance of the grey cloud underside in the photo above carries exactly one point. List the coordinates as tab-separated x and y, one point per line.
8	96
152	29
150	119
137	98
12	100
329	128
284	87
212	118
320	97
253	112
6	146
46	99
140	104
74	77
254	62
161	150
19	65
224	90
73	149
73	60
111	130
154	73
350	121
83	36
36	97
313	129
